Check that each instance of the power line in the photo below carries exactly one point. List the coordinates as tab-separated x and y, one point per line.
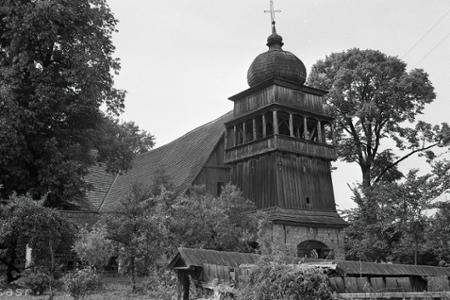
426	33
432	49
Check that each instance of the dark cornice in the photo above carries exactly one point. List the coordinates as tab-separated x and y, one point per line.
282	83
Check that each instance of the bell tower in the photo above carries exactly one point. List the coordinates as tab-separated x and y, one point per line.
279	146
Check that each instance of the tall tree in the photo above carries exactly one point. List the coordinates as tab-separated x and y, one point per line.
56	73
403	231
373	97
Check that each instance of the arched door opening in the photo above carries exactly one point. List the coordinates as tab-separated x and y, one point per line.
314	249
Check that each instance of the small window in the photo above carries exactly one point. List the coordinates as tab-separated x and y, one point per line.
220	187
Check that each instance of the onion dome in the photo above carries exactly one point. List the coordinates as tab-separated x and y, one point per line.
276	64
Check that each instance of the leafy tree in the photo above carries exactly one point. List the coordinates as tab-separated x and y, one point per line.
201	220
118	143
373	97
135	232
92	246
403	232
25	222
438	234
56	74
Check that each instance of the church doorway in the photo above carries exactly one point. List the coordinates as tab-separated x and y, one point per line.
314	249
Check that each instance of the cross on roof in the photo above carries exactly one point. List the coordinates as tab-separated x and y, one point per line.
272	12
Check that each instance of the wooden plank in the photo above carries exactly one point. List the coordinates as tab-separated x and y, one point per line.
351	285
378	284
395	295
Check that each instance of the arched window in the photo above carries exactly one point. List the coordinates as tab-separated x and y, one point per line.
313	249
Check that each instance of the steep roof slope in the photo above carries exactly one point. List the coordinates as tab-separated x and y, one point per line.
100	183
182	160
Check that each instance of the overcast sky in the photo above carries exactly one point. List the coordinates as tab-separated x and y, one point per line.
182	59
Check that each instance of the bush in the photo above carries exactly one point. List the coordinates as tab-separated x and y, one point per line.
162	285
280	280
92	247
81	283
34	280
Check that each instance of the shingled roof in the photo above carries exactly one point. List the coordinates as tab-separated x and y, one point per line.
100	183
181	160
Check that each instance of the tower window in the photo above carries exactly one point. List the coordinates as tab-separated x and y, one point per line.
249	130
230	137
299	127
312	130
283	123
239	134
269	123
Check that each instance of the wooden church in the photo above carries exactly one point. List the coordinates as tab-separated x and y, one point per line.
276	146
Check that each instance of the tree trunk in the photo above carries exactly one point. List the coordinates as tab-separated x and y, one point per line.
52	268
133	275
366	176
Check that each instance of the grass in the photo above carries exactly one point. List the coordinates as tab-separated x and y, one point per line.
115	288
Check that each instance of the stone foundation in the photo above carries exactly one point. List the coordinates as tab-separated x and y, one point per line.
291	236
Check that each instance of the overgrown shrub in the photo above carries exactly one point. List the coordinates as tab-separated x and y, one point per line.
161	284
81	283
92	247
274	279
35	280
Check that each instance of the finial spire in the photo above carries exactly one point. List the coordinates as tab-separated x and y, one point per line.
274	41
272	12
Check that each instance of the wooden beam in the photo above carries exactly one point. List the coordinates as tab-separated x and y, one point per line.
275	122
319	132
305	128
244	133
264	125
291	125
395	295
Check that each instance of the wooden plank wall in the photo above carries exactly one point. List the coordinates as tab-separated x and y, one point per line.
302	179
256	178
214	171
286	181
282	95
